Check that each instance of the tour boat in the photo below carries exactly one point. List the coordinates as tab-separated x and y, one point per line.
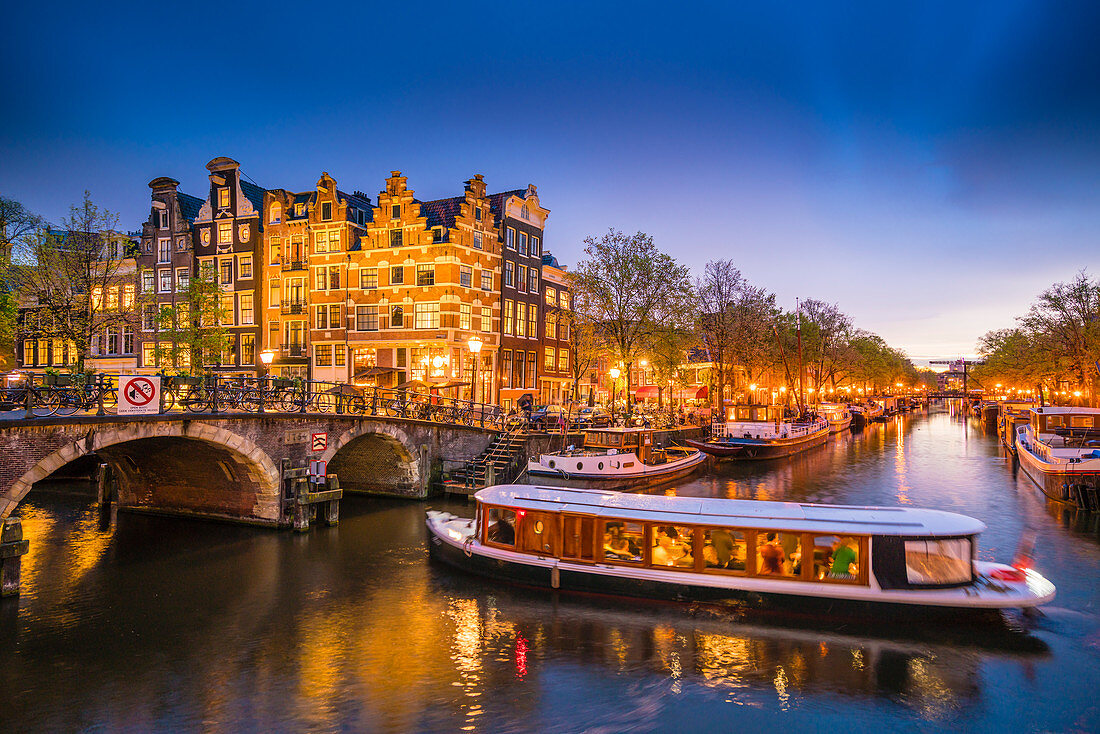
761	432
805	558
838	416
1060	450
614	458
1014	413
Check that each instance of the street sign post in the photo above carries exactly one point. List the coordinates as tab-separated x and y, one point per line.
139	395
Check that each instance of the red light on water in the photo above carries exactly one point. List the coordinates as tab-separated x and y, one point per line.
521	657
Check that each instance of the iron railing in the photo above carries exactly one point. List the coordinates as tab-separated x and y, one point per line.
219	394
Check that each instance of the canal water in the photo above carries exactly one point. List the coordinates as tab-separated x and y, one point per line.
149	623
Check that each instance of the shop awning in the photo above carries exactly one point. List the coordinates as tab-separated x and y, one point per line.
692	393
646	391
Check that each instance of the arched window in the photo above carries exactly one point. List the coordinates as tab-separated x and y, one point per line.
276	212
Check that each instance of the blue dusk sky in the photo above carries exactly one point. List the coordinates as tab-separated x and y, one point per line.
929	167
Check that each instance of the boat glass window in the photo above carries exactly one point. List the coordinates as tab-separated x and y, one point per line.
836	557
724	548
938	561
778	554
1055	421
1081	421
672	545
502	526
623	542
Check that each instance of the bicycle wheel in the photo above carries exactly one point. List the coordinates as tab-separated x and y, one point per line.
324	402
196	401
46	402
289	400
70	400
110	401
169	399
395	408
356	404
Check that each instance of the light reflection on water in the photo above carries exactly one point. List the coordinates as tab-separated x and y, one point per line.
155	623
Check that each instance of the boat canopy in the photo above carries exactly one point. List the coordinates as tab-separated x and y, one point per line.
793	516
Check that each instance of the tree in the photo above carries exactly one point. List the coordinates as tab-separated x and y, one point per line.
716	294
18	227
624	287
668	347
586	347
1064	327
825	334
78	281
190	330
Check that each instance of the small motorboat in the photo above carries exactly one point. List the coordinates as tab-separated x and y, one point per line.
763	432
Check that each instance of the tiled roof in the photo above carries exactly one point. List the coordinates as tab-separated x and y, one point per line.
253	193
189	205
496	201
441	212
360	202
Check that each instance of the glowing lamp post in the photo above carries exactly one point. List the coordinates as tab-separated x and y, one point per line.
266	357
474	344
614	372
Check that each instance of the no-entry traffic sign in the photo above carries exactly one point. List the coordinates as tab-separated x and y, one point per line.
138	395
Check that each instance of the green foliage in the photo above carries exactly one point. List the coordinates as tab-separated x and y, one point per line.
191	326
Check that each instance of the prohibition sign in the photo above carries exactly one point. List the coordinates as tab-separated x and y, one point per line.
139	391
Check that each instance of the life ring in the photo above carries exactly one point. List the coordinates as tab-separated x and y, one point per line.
466	546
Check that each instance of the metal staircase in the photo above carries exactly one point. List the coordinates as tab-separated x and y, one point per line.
500	463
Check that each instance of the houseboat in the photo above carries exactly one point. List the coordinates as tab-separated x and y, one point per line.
614	458
838	415
1059	448
860	561
1013	414
762	432
864	414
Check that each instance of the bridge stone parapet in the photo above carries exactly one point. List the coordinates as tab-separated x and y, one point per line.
228	466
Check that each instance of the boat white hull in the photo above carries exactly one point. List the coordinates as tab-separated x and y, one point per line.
608	471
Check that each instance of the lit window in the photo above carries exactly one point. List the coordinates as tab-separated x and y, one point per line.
322	355
248	349
223	197
551	296
425	275
276	213
486	280
366	318
397	317
465	311
128	296
521	319
183	279
427	315
486	318
368	278
247	317
509	316
225	233
165	281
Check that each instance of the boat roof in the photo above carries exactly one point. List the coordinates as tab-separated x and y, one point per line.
796	516
1065	410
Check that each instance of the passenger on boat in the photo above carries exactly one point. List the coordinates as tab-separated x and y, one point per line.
669	551
844	559
771	556
615	545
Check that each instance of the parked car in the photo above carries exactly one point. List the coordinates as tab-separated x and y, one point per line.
547	417
593	416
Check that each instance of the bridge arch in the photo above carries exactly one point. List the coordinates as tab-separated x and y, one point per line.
375	457
229	475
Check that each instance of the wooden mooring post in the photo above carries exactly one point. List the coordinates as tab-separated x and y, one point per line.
311	497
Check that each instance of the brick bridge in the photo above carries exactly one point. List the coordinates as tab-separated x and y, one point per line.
230	466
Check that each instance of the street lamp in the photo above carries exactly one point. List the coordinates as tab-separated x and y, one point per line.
474	344
614	372
266	357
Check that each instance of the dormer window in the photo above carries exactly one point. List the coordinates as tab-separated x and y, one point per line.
276	212
299	209
525	212
223	197
437	234
477	214
326	211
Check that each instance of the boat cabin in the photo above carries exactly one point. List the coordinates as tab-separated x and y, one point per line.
1066	426
904	548
763	413
622	440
